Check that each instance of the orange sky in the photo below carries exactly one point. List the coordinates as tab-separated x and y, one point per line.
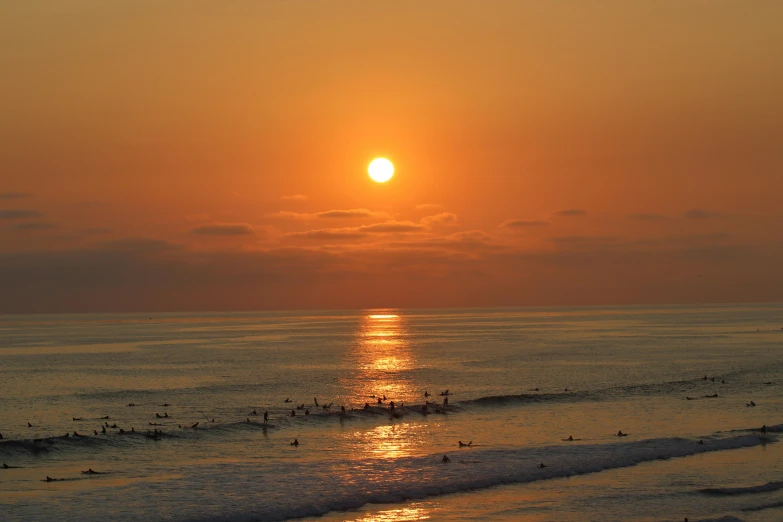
547	153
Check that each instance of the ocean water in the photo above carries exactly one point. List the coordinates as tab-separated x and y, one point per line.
520	382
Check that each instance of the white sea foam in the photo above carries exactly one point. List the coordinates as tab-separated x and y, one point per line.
316	490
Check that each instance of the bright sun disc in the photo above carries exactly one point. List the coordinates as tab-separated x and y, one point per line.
380	170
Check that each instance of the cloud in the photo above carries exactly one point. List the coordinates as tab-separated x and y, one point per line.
524	223
284	214
152	275
330	233
389	227
349	214
354	213
14	195
295	197
648	217
19	214
469	236
429	206
444	219
392	227
224	229
33	226
697	213
137	245
571	212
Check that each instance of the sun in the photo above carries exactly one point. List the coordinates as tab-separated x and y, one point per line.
380	170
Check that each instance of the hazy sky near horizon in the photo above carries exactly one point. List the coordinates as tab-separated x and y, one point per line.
163	155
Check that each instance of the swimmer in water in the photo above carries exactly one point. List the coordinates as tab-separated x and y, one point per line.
295	442
293	413
445	459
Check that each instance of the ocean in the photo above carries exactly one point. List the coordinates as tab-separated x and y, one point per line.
184	396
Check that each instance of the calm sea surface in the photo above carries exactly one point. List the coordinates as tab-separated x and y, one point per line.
519	382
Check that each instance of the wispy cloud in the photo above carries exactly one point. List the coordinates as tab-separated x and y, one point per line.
444	219
571	212
19	214
34	226
429	206
224	229
524	223
389	227
295	197
354	213
14	195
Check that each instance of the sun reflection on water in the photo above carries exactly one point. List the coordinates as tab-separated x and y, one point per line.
383	360
395	515
391	441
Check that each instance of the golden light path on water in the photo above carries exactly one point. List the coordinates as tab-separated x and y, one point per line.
383	357
382	354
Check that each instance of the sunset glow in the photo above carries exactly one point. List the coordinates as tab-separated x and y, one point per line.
281	155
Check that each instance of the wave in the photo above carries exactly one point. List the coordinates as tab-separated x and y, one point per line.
680	387
77	442
772	505
764	488
418	477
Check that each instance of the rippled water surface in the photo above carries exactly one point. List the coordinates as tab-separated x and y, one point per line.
519	381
